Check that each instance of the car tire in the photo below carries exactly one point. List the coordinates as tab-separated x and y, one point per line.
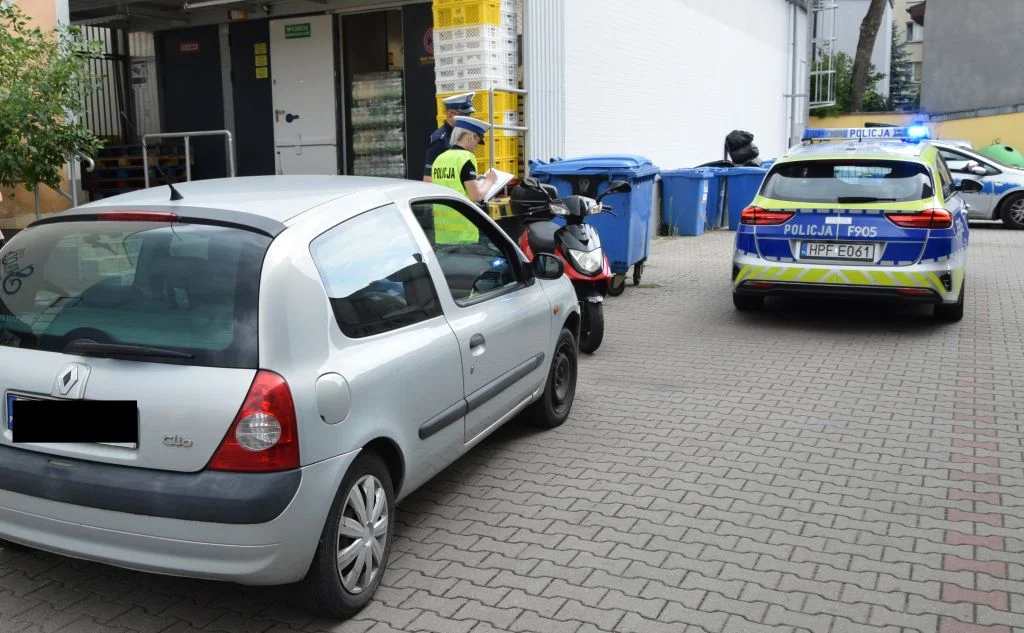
951	313
328	593
1012	212
747	302
554	405
592	332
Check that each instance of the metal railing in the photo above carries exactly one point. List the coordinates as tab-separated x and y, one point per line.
512	128
228	141
73	196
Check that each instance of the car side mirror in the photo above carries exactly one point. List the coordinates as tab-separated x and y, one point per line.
969	186
617	186
976	169
547	266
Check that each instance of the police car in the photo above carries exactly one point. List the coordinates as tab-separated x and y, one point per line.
856	212
1002	194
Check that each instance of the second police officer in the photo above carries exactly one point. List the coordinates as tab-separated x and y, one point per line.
440	140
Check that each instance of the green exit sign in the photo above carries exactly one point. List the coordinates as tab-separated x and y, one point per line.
292	31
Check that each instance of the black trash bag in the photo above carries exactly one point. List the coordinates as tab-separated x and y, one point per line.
738	139
744	154
755	162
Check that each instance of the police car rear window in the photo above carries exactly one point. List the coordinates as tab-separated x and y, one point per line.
831	180
185	289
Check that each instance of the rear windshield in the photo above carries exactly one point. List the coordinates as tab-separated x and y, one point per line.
185	288
848	180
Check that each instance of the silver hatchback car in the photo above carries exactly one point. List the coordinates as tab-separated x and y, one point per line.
242	383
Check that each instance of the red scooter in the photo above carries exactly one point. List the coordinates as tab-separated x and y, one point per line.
577	244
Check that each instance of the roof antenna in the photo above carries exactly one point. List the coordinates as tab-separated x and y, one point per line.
175	195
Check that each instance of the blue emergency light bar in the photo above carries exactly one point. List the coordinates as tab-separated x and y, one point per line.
912	133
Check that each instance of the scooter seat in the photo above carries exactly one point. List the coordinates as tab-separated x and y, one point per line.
541	237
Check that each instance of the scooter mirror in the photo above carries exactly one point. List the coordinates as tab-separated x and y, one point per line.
617	186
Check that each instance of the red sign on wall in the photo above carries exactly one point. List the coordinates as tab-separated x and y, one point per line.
190	46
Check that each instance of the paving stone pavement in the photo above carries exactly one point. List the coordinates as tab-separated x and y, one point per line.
826	468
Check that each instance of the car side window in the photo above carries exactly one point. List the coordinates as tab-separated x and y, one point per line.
945	178
374	274
955	161
477	262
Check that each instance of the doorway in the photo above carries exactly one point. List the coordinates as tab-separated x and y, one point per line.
374	89
304	96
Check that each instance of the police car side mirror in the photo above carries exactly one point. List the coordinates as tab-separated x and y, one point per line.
969	186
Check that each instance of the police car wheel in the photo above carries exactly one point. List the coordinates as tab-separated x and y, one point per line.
1013	212
747	302
951	313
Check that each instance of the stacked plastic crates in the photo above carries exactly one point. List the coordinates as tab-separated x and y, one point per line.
475	49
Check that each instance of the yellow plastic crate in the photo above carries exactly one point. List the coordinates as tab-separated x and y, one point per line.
508	118
503	102
451	13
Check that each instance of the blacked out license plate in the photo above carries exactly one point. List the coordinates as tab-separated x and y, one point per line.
45	420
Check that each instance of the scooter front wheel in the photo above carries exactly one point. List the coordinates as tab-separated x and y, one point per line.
592	327
617	285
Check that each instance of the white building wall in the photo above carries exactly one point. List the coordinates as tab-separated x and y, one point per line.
849	15
669	79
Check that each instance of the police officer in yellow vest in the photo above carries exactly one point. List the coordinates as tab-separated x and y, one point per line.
456	168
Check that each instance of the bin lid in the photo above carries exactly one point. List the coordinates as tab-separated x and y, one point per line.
627	165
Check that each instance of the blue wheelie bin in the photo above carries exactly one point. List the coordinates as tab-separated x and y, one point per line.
741	186
625	236
690	201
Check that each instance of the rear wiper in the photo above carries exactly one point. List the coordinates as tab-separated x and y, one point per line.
856	199
110	350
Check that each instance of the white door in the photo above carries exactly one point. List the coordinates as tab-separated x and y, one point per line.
302	69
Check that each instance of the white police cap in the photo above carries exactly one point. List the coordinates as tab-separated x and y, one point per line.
462	103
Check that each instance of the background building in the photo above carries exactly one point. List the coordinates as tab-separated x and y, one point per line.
296	82
972	58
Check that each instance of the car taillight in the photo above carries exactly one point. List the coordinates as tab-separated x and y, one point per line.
264	435
762	217
930	219
138	216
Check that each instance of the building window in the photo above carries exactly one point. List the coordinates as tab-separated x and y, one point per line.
915	32
917	71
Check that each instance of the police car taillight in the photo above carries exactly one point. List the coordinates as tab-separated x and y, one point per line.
930	219
264	435
759	216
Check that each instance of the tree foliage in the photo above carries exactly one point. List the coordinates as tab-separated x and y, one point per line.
44	78
904	95
873	100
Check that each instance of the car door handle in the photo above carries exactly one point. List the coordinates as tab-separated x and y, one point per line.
476	341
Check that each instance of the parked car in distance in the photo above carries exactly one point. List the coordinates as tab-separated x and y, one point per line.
241	384
1002	194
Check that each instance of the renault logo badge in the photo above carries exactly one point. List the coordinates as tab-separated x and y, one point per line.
70	382
67	380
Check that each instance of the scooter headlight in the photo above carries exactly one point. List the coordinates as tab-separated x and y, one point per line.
587	261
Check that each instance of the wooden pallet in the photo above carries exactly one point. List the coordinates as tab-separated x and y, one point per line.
111	162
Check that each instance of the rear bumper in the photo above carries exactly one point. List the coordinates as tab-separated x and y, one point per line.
932	282
823	290
207	496
277	551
